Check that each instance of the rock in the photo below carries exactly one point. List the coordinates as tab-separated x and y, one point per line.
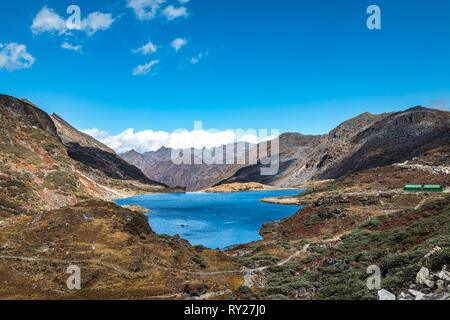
422	275
87	216
435	249
439	285
405	296
430	284
338	263
444	275
417	294
195	289
35	220
385	295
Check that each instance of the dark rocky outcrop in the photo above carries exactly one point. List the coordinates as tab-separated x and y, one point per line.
67	133
94	154
109	163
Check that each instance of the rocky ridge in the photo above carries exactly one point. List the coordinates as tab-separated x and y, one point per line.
364	142
39	172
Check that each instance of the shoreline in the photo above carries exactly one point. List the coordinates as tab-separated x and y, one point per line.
287	200
271	200
242	187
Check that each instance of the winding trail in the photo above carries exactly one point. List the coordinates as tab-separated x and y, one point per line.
420	204
126	273
248	273
255	270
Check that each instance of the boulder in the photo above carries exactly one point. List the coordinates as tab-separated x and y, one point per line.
439	285
444	275
405	296
195	288
430	284
422	275
417	294
385	295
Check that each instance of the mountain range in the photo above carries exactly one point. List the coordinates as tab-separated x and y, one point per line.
158	166
364	142
54	181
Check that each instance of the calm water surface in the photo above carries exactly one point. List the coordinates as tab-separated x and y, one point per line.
215	220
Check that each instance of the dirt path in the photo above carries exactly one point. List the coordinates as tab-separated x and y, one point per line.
420	204
247	270
109	266
248	273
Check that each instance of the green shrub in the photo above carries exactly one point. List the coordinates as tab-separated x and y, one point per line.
199	260
440	258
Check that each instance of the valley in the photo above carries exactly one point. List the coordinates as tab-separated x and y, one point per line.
57	185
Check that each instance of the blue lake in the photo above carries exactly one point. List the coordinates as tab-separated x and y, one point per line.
215	220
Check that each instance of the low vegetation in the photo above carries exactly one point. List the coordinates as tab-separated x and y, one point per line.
397	243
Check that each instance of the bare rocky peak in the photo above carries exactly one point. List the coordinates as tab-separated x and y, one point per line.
369	141
69	134
292	147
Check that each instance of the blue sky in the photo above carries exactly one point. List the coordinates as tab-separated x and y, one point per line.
300	66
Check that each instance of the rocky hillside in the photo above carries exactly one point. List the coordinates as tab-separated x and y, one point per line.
293	147
351	223
158	166
69	134
370	141
94	154
37	173
364	142
118	254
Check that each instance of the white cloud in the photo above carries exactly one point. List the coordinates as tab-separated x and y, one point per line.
15	56
183	1
96	133
149	47
144	69
172	13
145	9
197	58
68	46
97	21
178	43
47	20
149	140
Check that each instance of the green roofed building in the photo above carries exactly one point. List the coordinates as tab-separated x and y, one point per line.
412	188
432	188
